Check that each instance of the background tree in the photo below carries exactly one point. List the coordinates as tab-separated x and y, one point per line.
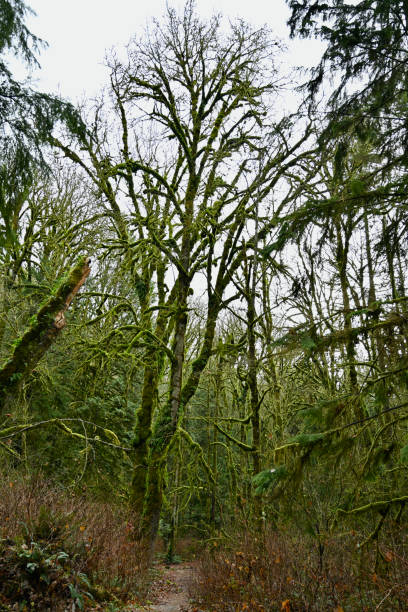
26	116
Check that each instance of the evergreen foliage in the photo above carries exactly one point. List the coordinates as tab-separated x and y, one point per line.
26	116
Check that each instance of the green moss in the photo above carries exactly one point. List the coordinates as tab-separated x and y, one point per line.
15	343
30	346
308	439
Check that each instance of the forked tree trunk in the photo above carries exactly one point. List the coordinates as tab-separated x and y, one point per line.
166	424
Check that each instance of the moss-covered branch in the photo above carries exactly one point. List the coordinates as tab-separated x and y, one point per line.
42	331
14	430
303	338
11	451
200	452
308	440
245	447
244	421
378	506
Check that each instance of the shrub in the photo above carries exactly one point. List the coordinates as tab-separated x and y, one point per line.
58	545
293	571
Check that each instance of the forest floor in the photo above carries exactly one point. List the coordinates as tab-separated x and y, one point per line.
170	590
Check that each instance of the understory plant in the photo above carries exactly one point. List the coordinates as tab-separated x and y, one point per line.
58	546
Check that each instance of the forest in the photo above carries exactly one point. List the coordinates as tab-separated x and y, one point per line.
204	320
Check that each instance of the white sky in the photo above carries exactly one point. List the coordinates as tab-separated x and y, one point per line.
80	31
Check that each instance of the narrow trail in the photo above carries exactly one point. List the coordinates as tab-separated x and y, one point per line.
171	592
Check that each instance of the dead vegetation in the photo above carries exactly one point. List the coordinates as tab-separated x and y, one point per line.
58	547
291	572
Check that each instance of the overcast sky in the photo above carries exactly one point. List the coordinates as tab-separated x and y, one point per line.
80	31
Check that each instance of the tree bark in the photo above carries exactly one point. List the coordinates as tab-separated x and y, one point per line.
44	328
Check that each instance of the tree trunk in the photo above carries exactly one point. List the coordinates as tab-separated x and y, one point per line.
44	328
166	424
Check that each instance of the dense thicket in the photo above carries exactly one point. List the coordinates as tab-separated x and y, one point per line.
236	359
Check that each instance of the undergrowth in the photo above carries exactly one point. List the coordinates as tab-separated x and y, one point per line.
293	572
58	547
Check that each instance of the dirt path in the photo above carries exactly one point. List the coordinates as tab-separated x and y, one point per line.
171	591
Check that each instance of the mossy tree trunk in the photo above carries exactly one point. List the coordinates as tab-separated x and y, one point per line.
44	327
342	252
204	93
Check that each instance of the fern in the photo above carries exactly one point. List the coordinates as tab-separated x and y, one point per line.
267	478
